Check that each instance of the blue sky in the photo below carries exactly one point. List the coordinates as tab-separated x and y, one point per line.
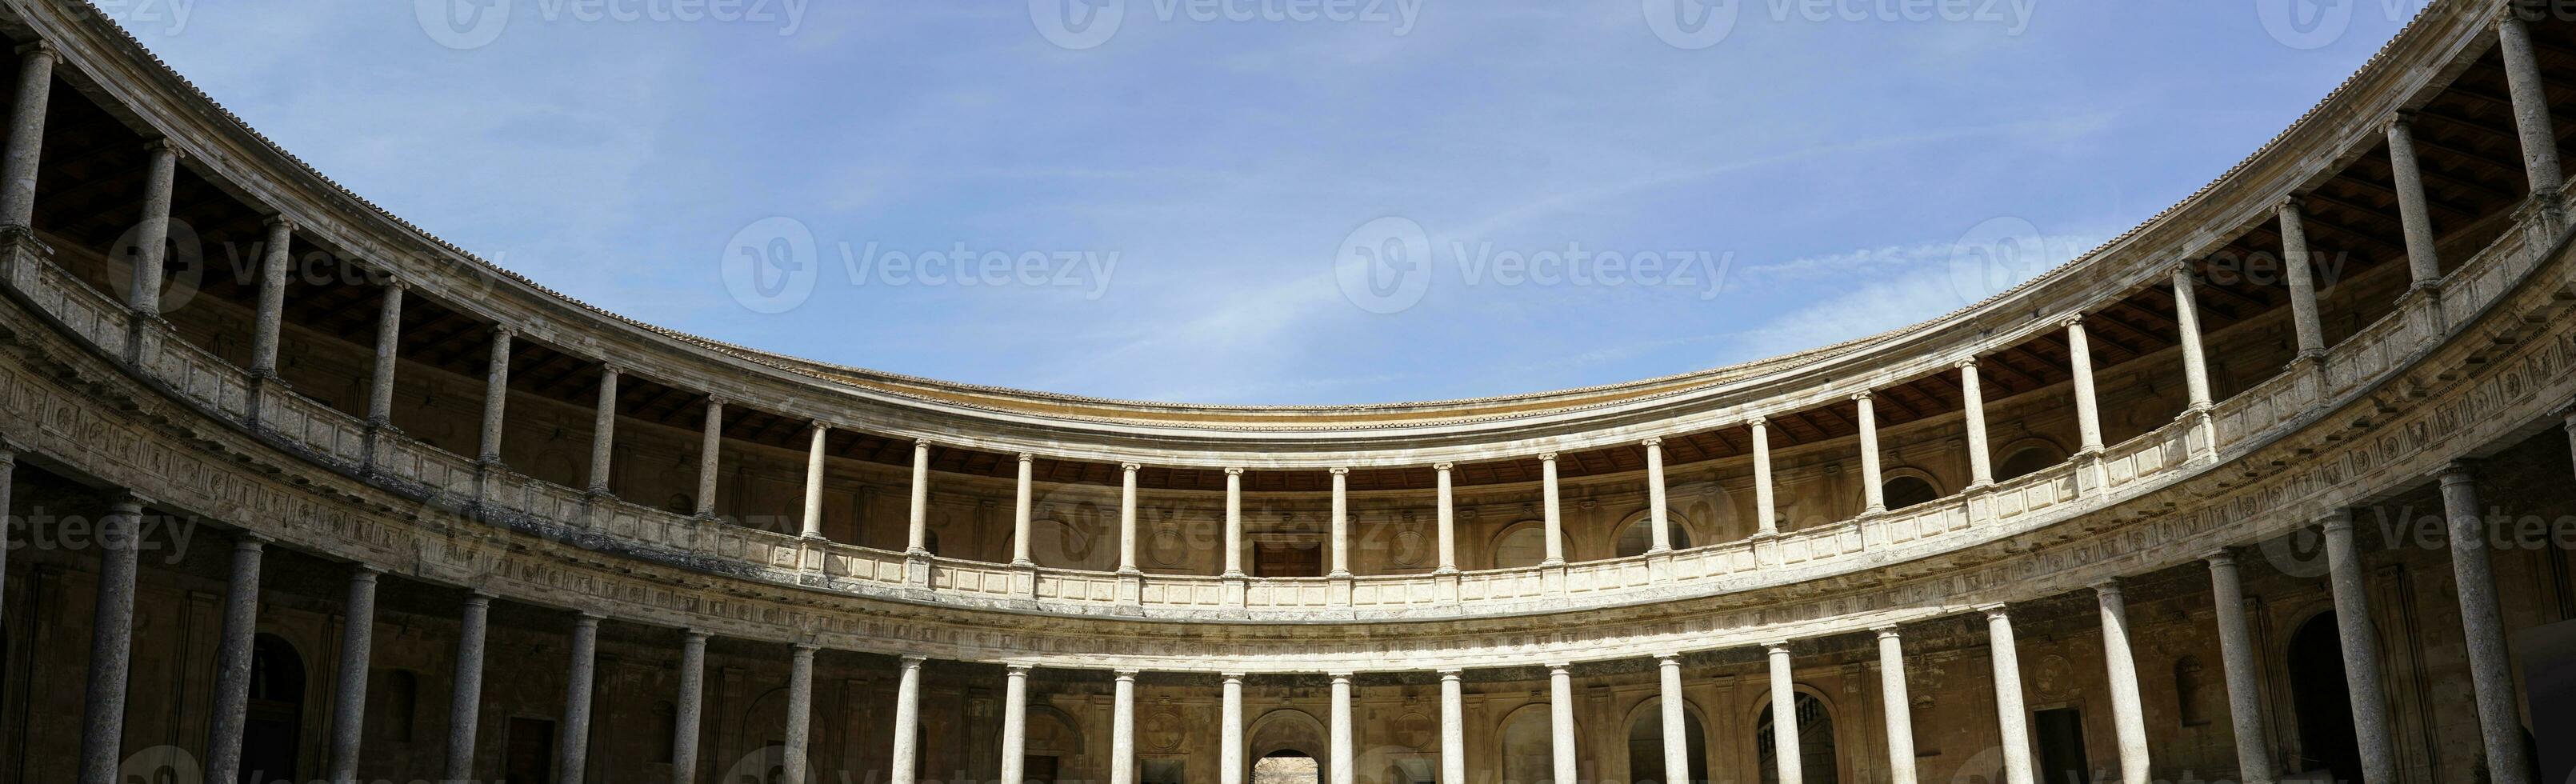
1188	192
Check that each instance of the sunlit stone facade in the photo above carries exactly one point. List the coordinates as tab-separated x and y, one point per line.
2181	510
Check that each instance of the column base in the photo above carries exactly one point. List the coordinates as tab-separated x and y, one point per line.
1238	590
1024	580
378	434
1131	589
1343	585
1551	578
2091	477
1445	586
916	569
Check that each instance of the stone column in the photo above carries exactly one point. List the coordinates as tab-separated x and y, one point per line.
1342	747
1015	725
1551	509
26	134
1560	713
710	447
907	724
1766	507
1234	523
1972	394
8	479
1897	704
380	382
232	662
1448	524
603	429
2128	711
272	297
111	642
1784	715
1229	758
2360	637
1872	490
1676	741
152	233
2236	652
465	699
1341	568
1023	501
798	737
1453	727
1122	732
919	544
349	702
2482	622
813	513
2088	407
496	395
1127	518
2530	105
2011	717
572	737
2421	260
2195	362
1656	515
690	708
2297	270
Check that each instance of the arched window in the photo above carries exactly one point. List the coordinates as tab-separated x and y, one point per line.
1523	544
1529	746
1905	491
2029	459
1638	536
1646	748
1815	743
276	718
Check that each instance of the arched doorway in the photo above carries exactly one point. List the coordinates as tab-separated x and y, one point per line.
2026	459
276	716
1815	743
1529	746
1904	491
1646	747
1287	767
2323	701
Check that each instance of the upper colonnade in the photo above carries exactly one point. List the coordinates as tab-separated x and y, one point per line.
2146	305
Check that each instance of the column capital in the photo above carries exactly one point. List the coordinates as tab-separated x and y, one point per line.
1964	364
1559	668
921	443
1230	677
1995	611
818	425
395	282
1026	457
1130	467
251	540
479	596
365	571
1758	420
587	618
2338	520
611	368
2457	472
805	647
714	399
1886	631
162	146
1016	671
2108	587
2292	204
2219	557
1550	457
1339	470
1339	677
278	220
1233	470
1668	659
1452	675
696	635
1864	395
1127	675
1442	467
2399	121
504	331
38	47
914	661
2072	321
1651	441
